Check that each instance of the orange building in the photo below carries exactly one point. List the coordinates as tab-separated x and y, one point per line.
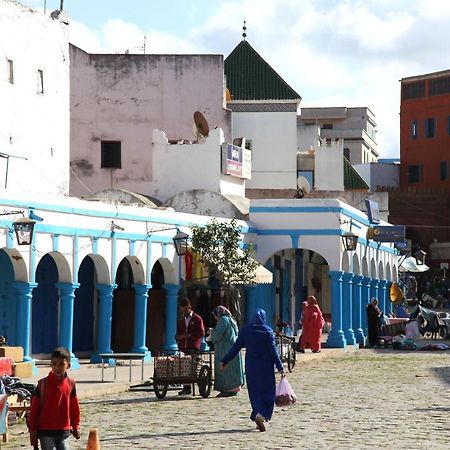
425	131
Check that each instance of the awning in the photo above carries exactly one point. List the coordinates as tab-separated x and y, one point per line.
262	275
410	265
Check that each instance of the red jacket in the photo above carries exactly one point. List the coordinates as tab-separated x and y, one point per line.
60	410
196	331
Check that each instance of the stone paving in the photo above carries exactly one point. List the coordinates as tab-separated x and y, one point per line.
371	399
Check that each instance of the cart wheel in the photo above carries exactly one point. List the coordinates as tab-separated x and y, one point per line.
160	390
291	359
204	381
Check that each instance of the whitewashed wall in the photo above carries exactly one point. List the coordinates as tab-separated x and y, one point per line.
274	147
34	125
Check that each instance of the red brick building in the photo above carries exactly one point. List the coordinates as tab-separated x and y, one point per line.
425	131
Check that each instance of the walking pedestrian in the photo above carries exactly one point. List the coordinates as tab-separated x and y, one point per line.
223	336
260	358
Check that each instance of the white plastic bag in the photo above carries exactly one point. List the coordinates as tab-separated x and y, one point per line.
284	394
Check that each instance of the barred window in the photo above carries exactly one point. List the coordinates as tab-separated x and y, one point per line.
413	90
430	127
440	86
414	173
111	155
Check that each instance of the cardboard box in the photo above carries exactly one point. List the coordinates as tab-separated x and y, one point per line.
15	353
23	369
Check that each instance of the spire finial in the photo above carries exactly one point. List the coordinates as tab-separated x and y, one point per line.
244	34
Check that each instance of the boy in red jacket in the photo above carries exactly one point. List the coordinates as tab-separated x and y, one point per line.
55	412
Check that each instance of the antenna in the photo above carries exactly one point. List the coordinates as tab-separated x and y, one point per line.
303	187
201	127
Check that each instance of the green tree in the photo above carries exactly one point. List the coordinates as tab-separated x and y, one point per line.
217	245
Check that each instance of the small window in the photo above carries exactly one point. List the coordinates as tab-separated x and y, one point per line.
111	155
430	127
10	69
414	129
414	174
444	170
327	126
40	81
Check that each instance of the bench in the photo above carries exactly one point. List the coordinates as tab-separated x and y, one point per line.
123	356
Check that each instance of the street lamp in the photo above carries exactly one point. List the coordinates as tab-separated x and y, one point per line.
350	241
180	243
23	227
420	256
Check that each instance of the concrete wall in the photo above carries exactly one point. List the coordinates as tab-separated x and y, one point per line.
379	174
182	167
126	97
329	166
34	125
274	147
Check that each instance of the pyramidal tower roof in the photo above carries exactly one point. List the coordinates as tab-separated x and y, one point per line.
250	77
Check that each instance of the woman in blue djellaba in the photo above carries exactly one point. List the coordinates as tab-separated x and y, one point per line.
261	357
223	336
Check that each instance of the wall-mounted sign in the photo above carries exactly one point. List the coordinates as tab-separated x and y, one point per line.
236	161
394	233
373	211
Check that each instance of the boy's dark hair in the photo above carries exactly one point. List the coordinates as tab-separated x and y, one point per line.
61	353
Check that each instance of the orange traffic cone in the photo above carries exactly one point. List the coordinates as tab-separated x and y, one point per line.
93	442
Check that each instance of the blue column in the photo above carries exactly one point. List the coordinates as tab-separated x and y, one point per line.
170	345
23	317
374	288
357	309
388	297
336	338
66	298
365	299
105	292
250	303
382	296
347	291
140	319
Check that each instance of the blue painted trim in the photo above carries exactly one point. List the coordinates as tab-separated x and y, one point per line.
95	213
113	259
148	275
10	238
75	258
55	241
164	250
170	345
131	248
94	246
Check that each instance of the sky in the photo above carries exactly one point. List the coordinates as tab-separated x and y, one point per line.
332	52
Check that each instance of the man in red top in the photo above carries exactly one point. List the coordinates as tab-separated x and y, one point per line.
190	332
55	411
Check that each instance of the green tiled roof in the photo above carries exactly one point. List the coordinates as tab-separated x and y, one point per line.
249	77
352	179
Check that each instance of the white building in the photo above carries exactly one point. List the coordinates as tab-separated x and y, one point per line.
355	126
34	107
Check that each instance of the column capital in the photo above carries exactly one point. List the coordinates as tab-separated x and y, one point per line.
141	288
374	282
24	287
171	289
357	279
106	288
347	276
67	288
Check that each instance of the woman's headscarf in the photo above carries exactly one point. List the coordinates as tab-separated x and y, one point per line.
311	300
259	317
220	311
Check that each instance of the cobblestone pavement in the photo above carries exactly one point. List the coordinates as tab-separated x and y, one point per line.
367	400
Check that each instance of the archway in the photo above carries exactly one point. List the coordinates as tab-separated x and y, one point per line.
9	274
45	305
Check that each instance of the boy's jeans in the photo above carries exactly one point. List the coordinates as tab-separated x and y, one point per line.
54	443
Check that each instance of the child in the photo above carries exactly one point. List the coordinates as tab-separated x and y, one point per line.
55	412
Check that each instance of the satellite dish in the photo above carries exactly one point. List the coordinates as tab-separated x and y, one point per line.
303	187
201	127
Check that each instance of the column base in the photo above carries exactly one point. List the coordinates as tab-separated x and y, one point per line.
171	349
350	337
74	362
359	336
95	358
148	355
336	340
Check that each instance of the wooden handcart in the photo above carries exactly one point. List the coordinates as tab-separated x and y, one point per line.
194	369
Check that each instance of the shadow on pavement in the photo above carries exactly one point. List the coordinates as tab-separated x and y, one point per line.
178	434
443	373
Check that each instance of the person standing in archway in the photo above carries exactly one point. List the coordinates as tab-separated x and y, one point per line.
312	325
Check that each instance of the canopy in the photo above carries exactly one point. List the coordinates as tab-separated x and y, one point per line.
410	265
